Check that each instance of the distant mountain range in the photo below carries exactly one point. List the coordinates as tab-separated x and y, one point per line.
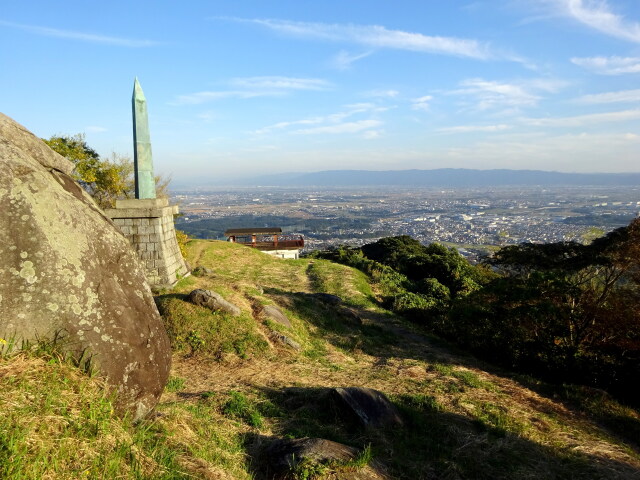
445	177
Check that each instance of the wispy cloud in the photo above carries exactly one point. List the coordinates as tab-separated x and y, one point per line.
383	93
343	60
490	94
511	97
207	116
346	127
209	96
281	83
332	123
552	152
609	65
624	96
475	128
598	15
251	87
585	120
421	103
81	36
376	36
372	134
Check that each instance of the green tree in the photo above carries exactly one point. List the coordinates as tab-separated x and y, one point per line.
418	262
565	310
105	179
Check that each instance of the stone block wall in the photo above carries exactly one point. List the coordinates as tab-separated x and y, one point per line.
148	225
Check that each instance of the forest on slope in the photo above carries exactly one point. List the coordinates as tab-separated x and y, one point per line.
566	311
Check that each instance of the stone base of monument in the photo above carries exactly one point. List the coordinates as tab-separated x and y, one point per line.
148	224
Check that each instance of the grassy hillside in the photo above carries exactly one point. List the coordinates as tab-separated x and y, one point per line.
233	389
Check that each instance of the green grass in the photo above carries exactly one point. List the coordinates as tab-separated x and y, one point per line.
238	406
58	423
175	384
195	330
230	393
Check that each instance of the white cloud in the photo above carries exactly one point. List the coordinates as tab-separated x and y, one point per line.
372	134
251	87
552	152
208	96
624	96
283	125
333	118
609	65
383	93
475	128
598	15
95	129
347	127
207	116
585	120
343	60
421	103
489	95
510	97
84	37
376	36
280	83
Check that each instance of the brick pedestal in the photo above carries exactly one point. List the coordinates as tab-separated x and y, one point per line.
148	224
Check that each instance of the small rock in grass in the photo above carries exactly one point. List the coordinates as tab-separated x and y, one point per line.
302	455
201	271
273	313
213	301
278	337
326	298
370	407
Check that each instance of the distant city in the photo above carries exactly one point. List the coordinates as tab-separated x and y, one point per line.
474	220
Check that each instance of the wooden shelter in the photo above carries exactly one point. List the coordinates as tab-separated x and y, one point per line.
270	240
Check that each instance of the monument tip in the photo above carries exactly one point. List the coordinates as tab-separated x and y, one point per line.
137	89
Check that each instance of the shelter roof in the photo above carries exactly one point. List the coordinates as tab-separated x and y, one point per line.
250	231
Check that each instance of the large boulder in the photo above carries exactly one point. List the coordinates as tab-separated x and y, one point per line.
67	273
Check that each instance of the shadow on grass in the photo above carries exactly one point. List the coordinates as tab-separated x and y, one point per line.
601	407
432	444
354	330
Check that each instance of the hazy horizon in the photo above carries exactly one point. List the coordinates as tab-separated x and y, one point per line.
243	89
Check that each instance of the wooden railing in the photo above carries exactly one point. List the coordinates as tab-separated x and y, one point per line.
279	243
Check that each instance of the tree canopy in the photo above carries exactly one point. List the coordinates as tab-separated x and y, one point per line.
565	311
105	179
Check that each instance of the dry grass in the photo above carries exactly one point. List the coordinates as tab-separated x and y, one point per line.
59	424
465	421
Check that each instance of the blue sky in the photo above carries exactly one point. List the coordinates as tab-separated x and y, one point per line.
239	88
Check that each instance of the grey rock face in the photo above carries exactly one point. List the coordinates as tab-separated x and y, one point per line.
273	313
213	301
67	272
370	407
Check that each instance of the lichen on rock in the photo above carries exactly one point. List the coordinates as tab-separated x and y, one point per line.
71	275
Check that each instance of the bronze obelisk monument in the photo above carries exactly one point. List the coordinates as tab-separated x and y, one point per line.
142	159
147	221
